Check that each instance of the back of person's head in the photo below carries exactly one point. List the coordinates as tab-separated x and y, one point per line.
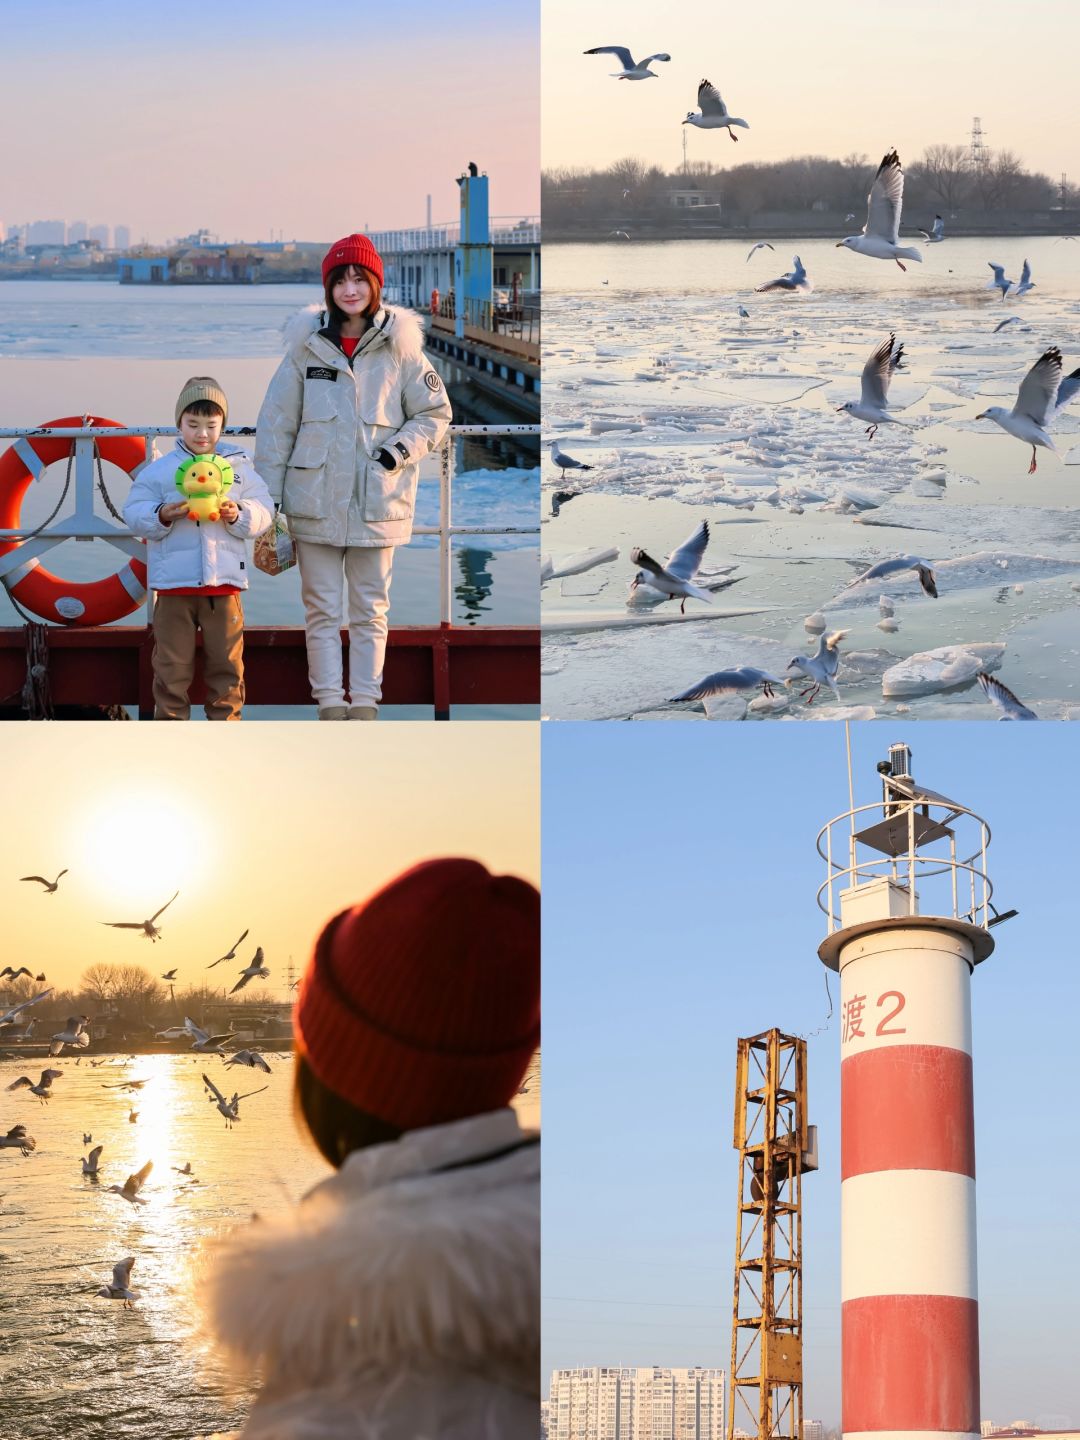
418	1007
202	395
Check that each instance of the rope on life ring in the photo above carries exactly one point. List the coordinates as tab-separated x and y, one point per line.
66	602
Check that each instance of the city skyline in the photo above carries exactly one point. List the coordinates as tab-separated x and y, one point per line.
860	84
679	916
295	140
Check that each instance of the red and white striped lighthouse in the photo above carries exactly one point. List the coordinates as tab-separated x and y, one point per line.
910	1320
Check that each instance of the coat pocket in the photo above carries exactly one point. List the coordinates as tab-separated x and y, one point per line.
304	491
389	495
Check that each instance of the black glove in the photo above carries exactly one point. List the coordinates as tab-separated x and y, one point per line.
386	460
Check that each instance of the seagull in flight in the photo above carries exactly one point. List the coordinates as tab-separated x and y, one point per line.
1035	405
149	929
183	1169
731	682
632	69
129	1191
229	1108
1000	281
90	1165
820	668
923	568
1024	284
251	1058
22	970
936	233
43	1088
131	1085
761	245
254	969
204	1042
169	975
50	885
873	403
880	236
714	113
1010	320
796	279
9	1016
120	1289
674	577
74	1034
1003	698
230	954
17	1139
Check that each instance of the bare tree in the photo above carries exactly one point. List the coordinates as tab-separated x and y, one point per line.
945	171
98	981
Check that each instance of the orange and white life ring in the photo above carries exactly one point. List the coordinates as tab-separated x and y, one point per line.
68	602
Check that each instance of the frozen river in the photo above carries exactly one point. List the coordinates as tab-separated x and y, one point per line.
687	412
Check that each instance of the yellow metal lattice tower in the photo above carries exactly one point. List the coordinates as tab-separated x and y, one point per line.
775	1147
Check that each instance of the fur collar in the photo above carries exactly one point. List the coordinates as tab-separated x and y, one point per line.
393	1262
403	330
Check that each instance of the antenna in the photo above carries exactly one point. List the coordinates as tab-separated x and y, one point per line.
980	151
685	161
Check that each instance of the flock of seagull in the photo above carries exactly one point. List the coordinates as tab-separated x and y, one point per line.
1042	394
76	1036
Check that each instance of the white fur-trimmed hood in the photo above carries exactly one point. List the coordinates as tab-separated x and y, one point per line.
393	1263
402	329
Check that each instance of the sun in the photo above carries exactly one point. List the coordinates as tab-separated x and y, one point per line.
136	847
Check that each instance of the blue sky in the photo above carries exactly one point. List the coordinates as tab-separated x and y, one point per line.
257	115
679	879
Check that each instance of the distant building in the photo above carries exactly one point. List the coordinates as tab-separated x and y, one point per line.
693	198
813	1430
636	1403
122	237
77	230
100	233
47	232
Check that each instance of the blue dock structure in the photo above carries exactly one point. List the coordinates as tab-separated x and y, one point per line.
479	286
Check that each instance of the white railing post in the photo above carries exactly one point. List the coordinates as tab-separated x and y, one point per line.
446	462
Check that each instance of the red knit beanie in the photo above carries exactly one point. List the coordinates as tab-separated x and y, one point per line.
353	250
422	1005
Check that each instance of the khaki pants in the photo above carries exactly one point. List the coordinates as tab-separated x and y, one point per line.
177	618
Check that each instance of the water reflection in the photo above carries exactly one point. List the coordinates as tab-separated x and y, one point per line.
474	587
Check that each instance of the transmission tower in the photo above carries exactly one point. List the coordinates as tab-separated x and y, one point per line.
980	151
775	1147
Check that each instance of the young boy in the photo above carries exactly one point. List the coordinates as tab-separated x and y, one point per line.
198	567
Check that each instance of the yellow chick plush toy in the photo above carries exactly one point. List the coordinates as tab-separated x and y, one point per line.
203	481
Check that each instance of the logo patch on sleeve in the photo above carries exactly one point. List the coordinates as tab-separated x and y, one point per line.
321	372
432	381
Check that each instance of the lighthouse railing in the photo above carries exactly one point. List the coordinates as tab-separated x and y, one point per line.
958	878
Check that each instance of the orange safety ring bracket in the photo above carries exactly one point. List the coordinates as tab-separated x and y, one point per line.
67	602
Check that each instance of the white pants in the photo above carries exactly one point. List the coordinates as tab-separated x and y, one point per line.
325	571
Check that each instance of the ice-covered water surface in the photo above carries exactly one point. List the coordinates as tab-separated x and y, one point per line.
686	411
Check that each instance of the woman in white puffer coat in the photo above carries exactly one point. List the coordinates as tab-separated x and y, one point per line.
401	1299
350	412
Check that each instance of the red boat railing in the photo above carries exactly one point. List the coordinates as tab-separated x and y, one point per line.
106	666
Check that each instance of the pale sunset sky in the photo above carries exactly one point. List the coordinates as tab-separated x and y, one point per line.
269	827
257	116
847	76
